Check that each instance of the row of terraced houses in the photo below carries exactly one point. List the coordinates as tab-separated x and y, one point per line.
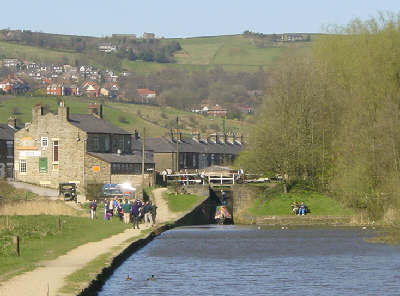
86	149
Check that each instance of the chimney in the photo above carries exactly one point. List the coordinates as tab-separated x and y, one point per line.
136	135
196	135
63	112
212	138
217	138
12	122
231	138
37	111
234	137
95	109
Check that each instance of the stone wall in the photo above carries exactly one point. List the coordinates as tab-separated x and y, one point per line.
201	190
243	197
69	167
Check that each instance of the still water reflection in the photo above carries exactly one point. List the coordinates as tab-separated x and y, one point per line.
232	260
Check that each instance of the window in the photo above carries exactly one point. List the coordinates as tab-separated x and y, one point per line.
22	165
55	151
44	142
10	149
126	168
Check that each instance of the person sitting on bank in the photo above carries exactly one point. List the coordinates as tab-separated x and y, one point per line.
302	209
295	207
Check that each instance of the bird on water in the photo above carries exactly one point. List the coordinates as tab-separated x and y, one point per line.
151	278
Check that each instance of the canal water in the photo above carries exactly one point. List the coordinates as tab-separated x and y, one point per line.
234	260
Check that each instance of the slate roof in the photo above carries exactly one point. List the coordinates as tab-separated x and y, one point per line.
122	158
6	132
165	145
92	124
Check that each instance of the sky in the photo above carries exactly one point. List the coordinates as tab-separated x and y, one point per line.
179	18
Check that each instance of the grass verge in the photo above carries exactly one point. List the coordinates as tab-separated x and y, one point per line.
278	204
41	239
80	278
182	202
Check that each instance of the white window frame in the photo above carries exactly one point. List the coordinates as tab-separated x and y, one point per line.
23	167
44	140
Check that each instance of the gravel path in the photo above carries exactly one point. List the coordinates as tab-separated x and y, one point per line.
47	279
42	191
163	215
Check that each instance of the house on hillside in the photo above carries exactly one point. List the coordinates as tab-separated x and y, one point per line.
11	63
91	89
149	36
146	95
213	110
13	85
55	90
76	148
107	47
110	90
7	131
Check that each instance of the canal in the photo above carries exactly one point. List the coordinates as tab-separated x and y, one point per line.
236	260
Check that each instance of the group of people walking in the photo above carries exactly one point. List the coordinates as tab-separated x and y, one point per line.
128	211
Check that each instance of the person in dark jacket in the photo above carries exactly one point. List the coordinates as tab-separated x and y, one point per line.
153	213
135	214
93	207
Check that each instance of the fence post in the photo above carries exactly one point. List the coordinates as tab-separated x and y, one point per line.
59	223
221	179
16	243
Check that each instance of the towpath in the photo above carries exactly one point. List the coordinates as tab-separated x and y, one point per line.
49	277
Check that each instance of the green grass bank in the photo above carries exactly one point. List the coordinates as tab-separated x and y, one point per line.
182	202
45	237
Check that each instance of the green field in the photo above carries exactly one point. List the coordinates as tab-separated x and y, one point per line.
278	204
232	52
41	238
156	120
182	202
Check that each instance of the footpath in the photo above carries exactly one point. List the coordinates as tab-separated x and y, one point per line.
47	279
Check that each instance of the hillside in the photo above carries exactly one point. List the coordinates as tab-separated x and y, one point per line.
233	53
156	120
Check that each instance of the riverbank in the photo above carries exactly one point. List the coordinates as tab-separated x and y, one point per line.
77	269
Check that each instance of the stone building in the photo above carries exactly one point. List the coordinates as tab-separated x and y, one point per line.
195	153
7	131
76	148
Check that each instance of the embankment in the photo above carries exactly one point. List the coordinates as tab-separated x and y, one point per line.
201	213
244	197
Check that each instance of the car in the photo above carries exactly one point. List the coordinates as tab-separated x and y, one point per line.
68	191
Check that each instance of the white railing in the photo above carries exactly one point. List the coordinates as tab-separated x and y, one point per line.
221	179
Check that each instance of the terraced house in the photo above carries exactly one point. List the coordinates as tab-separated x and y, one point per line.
195	153
7	131
76	148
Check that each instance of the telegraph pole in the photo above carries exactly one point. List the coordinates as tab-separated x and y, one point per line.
143	140
177	144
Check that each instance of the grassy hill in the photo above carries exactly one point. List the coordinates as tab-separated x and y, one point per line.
156	120
233	53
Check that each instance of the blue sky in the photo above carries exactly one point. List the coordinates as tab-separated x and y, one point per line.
179	18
